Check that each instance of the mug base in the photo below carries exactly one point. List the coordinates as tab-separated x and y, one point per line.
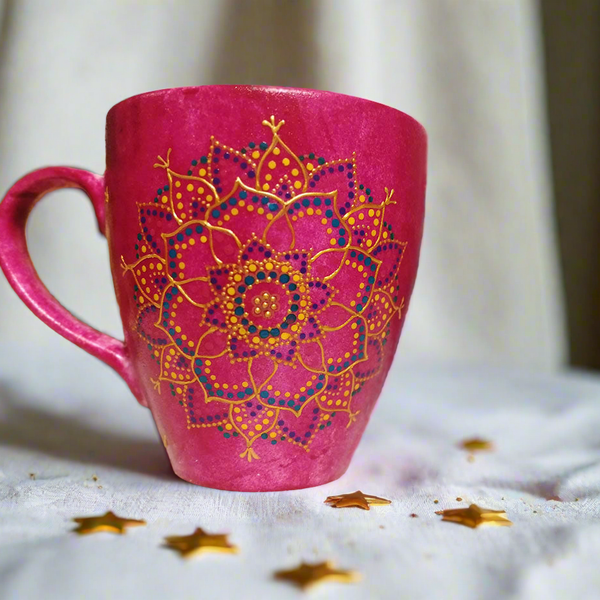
259	482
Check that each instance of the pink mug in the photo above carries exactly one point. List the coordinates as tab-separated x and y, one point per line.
264	244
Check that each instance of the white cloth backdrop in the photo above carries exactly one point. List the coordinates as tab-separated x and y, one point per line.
469	70
74	421
487	293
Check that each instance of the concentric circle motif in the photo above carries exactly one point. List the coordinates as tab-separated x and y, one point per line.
266	283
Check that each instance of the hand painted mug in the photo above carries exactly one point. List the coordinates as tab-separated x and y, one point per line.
264	244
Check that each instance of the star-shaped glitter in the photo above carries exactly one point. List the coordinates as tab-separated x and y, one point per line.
309	575
474	516
476	445
200	542
107	522
356	499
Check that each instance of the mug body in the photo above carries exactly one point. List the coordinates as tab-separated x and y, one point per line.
264	244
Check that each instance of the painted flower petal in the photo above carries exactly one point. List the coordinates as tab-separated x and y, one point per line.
198	291
199	413
189	195
257	251
277	393
356	270
310	330
239	348
311	356
150	278
316	223
326	263
366	225
337	175
286	352
302	429
154	219
188	251
215	317
225	165
344	341
175	367
223	379
253	420
280	170
390	254
246	212
181	320
321	294
372	366
379	312
213	343
195	245
338	392
280	233
146	327
225	245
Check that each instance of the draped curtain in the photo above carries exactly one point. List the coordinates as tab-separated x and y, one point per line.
489	288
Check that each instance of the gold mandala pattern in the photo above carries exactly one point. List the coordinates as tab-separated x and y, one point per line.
266	284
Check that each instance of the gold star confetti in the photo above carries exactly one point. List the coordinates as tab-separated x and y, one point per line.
108	522
356	499
474	516
308	575
476	445
200	542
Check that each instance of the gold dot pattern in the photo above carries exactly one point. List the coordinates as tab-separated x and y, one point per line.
350	347
244	191
265	305
338	395
253	419
224	173
379	312
355	297
280	167
175	367
148	273
366	224
188	195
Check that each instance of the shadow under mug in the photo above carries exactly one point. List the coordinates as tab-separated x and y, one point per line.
264	244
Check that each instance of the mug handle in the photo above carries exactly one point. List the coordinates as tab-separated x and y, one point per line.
22	276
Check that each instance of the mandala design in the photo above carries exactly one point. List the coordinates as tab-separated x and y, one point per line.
266	284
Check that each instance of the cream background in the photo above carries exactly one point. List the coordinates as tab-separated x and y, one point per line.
488	289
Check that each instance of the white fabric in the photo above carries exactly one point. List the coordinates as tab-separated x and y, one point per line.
66	419
470	71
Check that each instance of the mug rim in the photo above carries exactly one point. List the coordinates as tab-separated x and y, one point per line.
266	88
